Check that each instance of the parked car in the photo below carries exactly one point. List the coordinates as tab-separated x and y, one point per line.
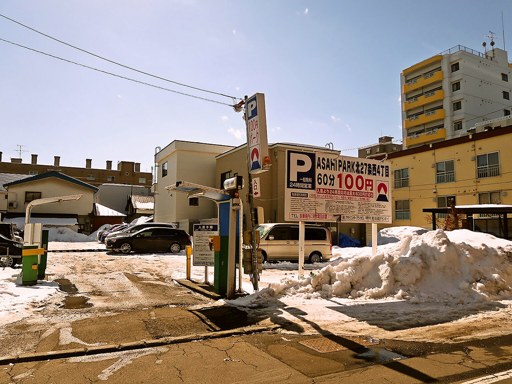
10	251
280	241
10	231
135	228
152	239
114	228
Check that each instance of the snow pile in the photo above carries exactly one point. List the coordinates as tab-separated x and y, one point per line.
437	266
63	234
395	234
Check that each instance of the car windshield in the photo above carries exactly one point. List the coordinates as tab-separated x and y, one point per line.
263	230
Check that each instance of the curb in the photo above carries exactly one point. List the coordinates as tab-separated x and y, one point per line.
203	289
111	348
75	250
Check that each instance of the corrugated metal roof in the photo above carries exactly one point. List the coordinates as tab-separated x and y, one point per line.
6	178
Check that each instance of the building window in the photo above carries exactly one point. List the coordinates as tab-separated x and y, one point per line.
456	86
457	105
402	210
488	165
506	112
110	179
504	77
142	180
90	177
193	201
445	172
506	95
165	169
401	178
29	196
445	202
457	125
489	197
455	67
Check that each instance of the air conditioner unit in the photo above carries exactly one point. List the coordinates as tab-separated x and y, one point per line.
13	204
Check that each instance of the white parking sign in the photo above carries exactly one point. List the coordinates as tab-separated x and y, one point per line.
327	188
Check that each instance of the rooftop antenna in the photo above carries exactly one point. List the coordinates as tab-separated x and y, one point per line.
20	150
491	35
503	31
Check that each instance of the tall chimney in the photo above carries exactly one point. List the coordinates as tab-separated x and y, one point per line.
88	163
56	161
34	158
0	157
137	167
109	165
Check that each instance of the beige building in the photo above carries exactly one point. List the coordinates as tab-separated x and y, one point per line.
468	170
446	95
185	161
73	214
272	185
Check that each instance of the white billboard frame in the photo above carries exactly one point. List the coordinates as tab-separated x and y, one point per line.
323	187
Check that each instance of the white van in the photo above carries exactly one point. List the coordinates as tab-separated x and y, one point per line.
280	241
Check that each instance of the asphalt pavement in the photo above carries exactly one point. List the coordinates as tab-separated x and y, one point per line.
223	344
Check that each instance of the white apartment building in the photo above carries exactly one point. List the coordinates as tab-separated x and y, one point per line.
185	161
445	96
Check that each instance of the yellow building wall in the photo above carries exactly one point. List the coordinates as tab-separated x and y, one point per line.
423	190
53	187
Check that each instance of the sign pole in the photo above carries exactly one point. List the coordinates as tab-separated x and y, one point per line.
250	199
302	233
374	239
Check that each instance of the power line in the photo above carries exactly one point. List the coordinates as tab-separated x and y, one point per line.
114	74
116	63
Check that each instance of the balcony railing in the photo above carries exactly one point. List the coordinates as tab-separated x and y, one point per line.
427	117
489	171
422	81
427	137
424	99
445	177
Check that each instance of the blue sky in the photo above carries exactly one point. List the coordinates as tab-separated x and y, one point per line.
329	69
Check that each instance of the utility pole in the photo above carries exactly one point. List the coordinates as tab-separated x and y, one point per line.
258	160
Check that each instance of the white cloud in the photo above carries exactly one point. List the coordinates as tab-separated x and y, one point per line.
234	31
224	118
237	133
349	128
335	118
306	11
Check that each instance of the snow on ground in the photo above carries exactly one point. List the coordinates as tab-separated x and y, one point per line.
417	278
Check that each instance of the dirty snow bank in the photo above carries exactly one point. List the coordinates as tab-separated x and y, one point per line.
455	267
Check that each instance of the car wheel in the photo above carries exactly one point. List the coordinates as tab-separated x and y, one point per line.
6	261
175	248
315	257
125	248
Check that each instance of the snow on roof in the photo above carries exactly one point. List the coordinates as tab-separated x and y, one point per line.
143	202
101	210
6	178
46	221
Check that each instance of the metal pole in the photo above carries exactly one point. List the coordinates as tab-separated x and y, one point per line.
374	239
254	255
231	252
302	235
240	246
